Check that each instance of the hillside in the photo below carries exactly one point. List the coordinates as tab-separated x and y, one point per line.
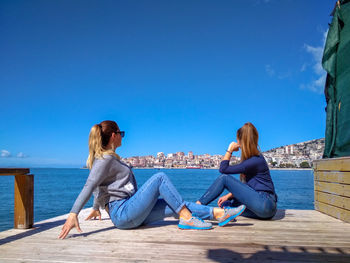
295	155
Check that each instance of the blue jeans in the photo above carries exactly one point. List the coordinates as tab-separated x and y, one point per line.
145	207
261	205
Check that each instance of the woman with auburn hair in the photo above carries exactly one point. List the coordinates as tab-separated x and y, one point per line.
115	189
255	188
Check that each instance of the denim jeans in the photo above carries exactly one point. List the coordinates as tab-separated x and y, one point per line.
145	207
260	204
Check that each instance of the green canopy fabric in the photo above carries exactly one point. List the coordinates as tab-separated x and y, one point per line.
336	61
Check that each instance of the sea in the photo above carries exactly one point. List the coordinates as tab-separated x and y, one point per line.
55	189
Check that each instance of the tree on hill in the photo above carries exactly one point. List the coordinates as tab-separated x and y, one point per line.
273	164
304	165
287	165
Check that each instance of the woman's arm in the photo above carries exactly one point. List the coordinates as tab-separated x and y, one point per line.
229	196
225	167
95	212
233	147
96	176
96	205
98	173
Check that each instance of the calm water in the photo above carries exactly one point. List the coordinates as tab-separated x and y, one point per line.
55	190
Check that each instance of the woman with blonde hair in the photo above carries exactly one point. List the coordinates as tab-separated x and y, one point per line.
255	188
115	189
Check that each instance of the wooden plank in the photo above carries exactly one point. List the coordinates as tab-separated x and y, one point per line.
13	171
333	177
298	236
334	200
333	188
333	164
336	212
24	199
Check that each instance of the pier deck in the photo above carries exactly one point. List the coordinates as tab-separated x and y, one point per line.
293	236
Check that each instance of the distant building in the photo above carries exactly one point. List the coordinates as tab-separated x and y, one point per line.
180	155
280	151
160	155
142	162
168	163
289	149
135	161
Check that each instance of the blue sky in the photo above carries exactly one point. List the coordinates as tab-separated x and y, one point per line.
175	75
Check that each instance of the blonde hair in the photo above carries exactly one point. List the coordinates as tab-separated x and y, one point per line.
248	137
99	137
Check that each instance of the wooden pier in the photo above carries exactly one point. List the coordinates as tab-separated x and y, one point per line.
292	236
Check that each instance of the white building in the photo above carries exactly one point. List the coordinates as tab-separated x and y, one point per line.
280	151
160	155
289	149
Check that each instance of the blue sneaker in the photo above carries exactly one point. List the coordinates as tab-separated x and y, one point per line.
230	214
194	223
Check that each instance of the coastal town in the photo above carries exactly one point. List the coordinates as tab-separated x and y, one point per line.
299	155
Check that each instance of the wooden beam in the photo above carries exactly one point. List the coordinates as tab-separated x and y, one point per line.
334	200
13	171
336	212
332	177
333	188
24	199
334	164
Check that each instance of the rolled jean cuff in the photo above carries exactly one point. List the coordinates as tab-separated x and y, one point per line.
212	213
180	207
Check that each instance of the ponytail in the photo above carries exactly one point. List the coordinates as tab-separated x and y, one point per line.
95	145
98	141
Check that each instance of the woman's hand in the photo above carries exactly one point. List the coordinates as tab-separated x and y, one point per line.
233	147
94	214
221	200
72	221
224	198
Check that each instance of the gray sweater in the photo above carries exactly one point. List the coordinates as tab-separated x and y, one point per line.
109	180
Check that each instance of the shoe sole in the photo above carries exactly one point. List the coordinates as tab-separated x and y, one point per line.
223	223
194	227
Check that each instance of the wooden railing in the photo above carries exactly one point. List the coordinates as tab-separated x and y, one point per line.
24	196
332	187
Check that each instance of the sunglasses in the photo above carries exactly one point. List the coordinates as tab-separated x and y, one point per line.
122	133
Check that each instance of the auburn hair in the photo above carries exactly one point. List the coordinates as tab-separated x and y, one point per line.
99	139
248	137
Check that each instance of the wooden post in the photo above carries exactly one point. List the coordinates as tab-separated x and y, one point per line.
24	196
24	200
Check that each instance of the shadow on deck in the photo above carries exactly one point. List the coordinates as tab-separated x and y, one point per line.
299	254
32	231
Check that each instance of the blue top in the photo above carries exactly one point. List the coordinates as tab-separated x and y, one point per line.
256	170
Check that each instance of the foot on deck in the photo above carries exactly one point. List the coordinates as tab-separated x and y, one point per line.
194	223
230	214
